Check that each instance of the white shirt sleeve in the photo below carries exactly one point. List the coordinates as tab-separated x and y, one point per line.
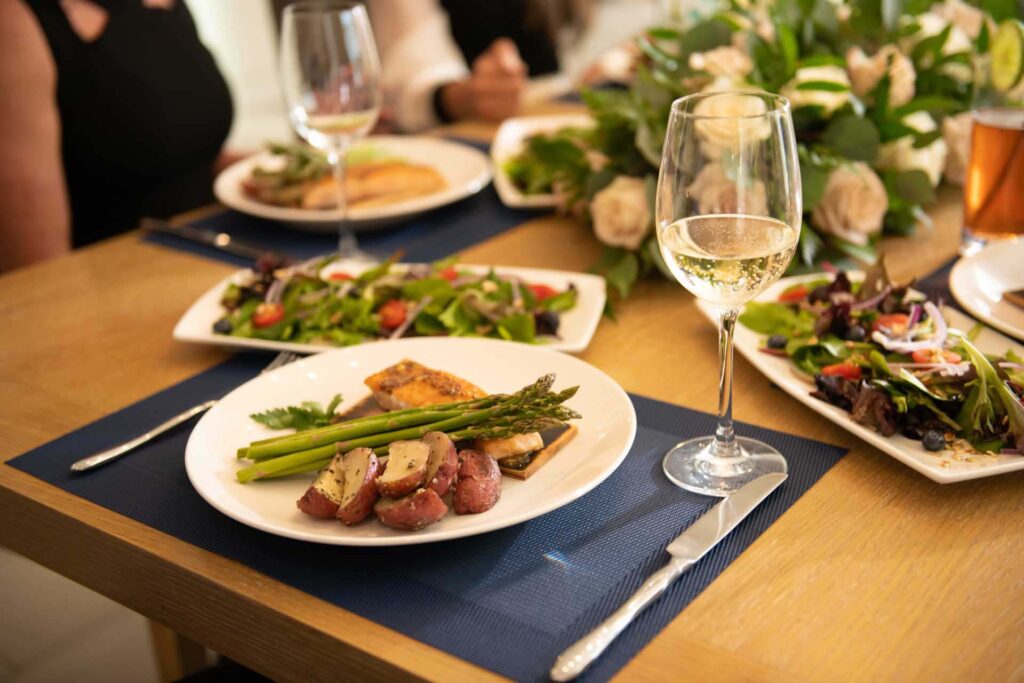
417	55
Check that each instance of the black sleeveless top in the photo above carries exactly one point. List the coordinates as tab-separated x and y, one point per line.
143	111
476	24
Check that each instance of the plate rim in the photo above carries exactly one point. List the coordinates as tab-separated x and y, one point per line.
841	418
418	537
182	331
226	191
957	274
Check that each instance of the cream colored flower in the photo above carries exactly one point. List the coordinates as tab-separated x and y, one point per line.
956	131
722	61
931	24
620	213
826	99
965	17
865	72
853	204
731	120
715	192
901	155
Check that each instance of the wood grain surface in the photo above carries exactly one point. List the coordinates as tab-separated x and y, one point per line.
875	574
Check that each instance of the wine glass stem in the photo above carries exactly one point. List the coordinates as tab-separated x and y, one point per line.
725	437
347	247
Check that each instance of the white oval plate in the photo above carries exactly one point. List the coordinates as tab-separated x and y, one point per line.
978	283
576	327
466	169
605	435
938	467
508	142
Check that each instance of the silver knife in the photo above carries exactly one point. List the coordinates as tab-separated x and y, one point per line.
211	238
692	544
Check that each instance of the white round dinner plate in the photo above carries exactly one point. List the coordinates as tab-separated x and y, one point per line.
606	433
978	282
466	170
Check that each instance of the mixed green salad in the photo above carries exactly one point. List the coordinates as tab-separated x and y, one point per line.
884	353
316	303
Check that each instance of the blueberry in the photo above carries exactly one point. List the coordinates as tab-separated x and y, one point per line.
777	341
856	333
222	326
547	322
933	440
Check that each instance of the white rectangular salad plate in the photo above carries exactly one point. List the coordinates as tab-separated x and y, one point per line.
575	331
508	142
938	467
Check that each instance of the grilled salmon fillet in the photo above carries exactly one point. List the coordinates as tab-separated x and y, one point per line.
375	184
408	384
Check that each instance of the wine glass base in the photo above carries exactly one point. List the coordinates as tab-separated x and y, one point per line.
693	466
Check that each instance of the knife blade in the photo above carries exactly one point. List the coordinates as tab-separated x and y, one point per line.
686	550
211	238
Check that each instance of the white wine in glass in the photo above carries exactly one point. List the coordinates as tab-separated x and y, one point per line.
330	74
728	222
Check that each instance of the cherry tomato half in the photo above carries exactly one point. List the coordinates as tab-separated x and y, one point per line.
449	274
935	356
267	315
794	293
894	322
392	314
340	276
845	370
542	292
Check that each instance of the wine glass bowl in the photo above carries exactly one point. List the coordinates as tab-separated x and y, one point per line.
728	217
330	77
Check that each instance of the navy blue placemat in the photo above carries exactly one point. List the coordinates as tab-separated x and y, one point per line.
426	237
509	600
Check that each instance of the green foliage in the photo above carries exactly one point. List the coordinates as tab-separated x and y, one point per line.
307	415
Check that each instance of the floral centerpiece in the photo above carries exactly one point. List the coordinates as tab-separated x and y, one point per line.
880	91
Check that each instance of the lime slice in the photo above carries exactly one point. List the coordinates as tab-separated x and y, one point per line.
1008	55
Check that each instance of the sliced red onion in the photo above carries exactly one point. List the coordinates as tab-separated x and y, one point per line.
274	291
829	267
905	345
345	288
773	352
1011	451
411	317
915	316
1012	366
873	301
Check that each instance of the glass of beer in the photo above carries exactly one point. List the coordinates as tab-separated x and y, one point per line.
994	183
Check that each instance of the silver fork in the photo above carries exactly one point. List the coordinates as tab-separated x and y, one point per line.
103	457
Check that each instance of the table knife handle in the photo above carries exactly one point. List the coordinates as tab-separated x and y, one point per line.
580	655
106	456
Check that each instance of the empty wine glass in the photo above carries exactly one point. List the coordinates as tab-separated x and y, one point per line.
330	74
728	215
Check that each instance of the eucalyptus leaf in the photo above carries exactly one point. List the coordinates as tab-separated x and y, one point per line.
853	137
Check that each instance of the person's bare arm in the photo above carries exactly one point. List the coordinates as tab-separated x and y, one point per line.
34	215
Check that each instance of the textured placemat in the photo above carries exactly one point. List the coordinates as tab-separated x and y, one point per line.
509	600
425	237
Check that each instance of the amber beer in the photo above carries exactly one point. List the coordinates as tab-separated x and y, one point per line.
994	187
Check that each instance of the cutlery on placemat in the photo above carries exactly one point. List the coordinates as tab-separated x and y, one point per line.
103	457
211	238
1016	298
699	538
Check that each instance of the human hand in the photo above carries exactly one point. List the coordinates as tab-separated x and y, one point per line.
494	90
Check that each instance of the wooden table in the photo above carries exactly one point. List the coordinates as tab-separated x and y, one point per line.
875	574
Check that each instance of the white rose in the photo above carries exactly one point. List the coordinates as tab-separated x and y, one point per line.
865	72
620	213
901	155
722	61
853	204
715	192
956	131
963	16
931	24
826	99
724	129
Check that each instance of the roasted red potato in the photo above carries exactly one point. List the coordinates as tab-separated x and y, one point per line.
359	488
443	464
419	509
478	485
323	497
406	469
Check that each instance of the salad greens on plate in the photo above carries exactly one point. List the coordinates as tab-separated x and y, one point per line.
884	352
320	304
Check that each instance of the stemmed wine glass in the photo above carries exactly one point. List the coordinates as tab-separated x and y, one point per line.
728	216
330	74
